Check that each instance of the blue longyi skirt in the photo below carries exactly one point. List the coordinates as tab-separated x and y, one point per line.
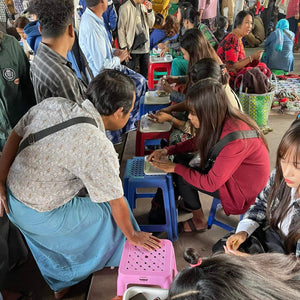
71	242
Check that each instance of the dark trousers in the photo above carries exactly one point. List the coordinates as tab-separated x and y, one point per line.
141	60
293	25
266	16
12	247
188	192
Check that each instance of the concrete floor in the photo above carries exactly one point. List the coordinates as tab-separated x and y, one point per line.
102	285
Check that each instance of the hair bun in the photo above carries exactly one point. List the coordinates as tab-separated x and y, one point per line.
191	256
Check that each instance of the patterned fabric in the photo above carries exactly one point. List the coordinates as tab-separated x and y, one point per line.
60	165
52	76
231	50
4	12
209	35
293	8
257	214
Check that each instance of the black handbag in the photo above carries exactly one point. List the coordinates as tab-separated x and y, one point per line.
140	39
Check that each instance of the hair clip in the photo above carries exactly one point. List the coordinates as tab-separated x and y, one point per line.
197	264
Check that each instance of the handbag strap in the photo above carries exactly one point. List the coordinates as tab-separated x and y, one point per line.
34	137
216	149
86	64
159	41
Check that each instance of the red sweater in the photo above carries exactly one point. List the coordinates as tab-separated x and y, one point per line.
240	172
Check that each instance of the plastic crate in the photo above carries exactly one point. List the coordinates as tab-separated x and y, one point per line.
148	292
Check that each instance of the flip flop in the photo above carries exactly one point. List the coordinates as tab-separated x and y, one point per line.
192	226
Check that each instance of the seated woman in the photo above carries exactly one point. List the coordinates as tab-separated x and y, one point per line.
173	46
231	49
195	47
168	31
183	129
277	206
279	48
269	276
190	20
239	162
70	236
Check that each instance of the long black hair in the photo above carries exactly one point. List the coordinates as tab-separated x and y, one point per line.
280	191
208	99
269	276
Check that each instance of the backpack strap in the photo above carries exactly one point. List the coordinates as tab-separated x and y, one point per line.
34	137
216	149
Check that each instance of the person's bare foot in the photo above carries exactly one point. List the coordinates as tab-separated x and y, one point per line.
60	294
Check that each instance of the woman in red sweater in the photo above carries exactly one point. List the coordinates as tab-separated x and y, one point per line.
241	169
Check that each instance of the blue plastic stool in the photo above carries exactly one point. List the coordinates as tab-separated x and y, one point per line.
135	178
144	108
216	204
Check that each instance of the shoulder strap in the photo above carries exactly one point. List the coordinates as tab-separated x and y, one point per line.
216	149
34	137
159	41
86	63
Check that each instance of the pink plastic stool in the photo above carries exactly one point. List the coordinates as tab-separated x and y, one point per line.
163	66
142	267
141	137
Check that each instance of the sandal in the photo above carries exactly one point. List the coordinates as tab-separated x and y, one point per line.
192	226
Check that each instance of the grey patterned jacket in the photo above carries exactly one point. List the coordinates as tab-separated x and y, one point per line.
258	211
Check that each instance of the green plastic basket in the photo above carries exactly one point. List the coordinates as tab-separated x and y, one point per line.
257	106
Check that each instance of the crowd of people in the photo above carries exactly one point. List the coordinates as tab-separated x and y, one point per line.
72	77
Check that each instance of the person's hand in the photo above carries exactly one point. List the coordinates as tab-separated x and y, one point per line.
148	5
164	165
122	54
160	117
257	55
235	240
3	201
163	51
145	240
172	79
158	154
166	86
236	252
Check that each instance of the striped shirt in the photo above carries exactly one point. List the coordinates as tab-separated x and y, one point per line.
4	12
52	76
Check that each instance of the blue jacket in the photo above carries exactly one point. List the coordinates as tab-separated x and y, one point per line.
110	19
279	60
33	35
157	35
34	38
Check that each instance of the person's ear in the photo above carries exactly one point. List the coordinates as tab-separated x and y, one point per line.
71	31
118	114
